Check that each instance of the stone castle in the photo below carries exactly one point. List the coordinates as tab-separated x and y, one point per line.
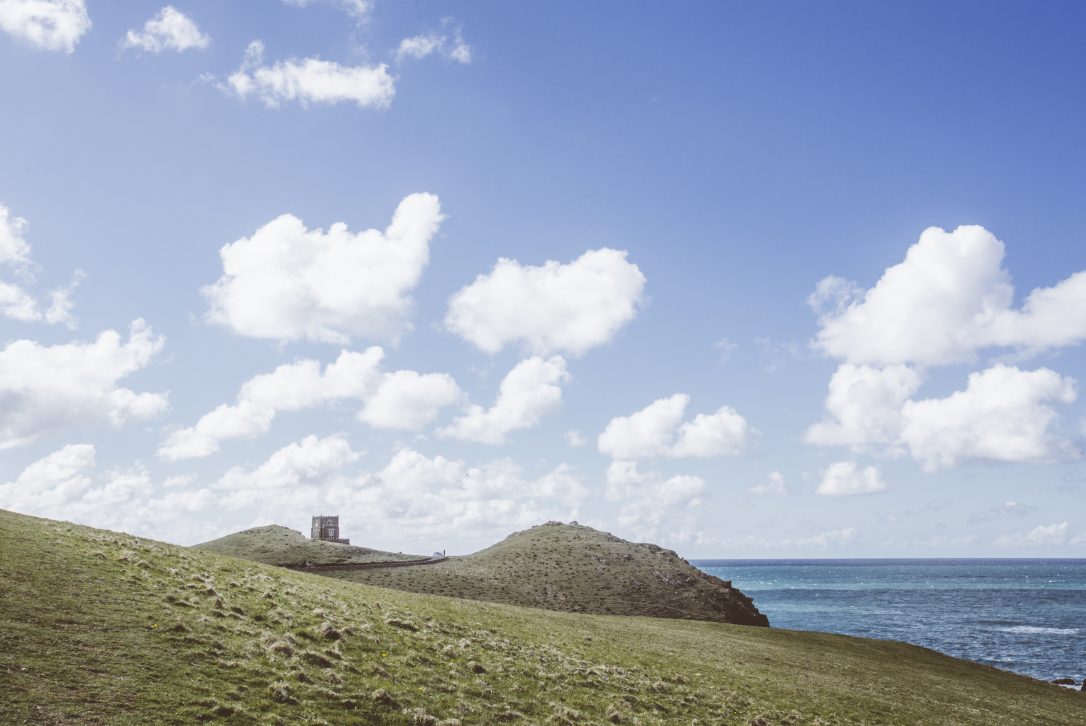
326	528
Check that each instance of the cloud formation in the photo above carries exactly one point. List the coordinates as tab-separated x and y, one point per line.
46	388
310	80
65	485
55	25
949	298
450	46
550	308
659	430
170	29
287	282
1039	536
1004	414
16	303
402	400
847	478
528	392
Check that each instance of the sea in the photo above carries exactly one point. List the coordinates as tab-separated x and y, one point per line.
1025	616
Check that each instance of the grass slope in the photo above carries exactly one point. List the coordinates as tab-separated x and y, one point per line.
275	545
575	568
98	627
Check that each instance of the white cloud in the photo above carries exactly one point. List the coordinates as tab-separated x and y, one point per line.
1045	534
170	29
410	401
44	388
575	438
310	80
55	25
528	392
14	249
1004	414
290	387
864	405
310	460
949	298
15	302
652	505
450	46
774	484
287	282
396	400
846	478
551	308
658	430
64	485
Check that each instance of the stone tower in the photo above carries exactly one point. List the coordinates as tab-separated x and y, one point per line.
326	528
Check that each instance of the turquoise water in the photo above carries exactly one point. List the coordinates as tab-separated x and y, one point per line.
1026	616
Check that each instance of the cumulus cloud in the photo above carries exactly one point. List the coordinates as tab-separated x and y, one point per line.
410	401
170	29
1003	414
950	297
403	400
774	484
865	406
659	430
527	393
1042	535
846	478
16	303
310	80
55	25
287	282
65	485
45	388
575	438
550	308
448	43
310	460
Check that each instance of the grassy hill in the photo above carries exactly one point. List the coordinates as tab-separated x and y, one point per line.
105	628
575	568
275	545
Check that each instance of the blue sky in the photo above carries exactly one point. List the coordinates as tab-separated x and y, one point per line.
735	158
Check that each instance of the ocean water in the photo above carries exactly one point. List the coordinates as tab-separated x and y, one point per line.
1026	616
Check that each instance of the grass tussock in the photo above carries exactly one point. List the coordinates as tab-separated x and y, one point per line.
86	639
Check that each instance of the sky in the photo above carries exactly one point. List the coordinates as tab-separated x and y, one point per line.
743	279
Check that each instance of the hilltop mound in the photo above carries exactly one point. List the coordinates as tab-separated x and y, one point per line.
99	627
578	569
276	545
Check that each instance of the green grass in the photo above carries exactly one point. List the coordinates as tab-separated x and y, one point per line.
98	627
276	545
574	568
